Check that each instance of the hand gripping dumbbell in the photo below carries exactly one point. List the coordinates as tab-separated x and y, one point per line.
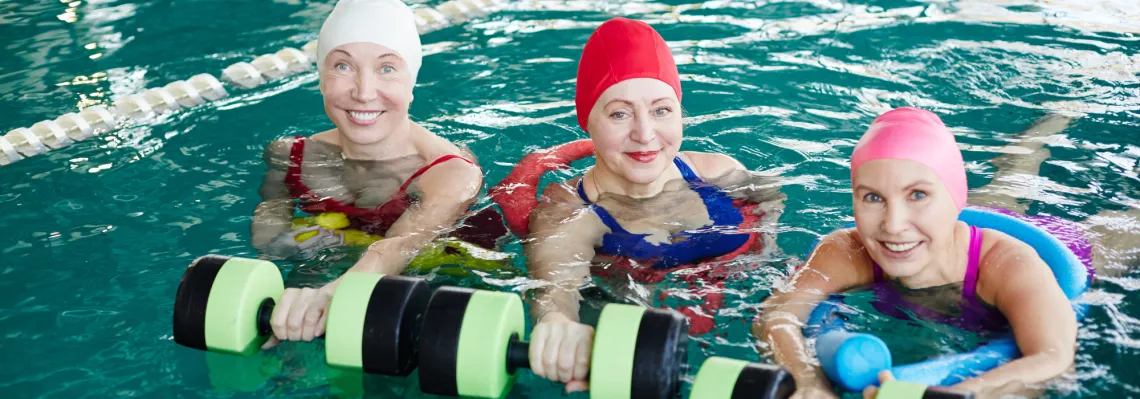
723	378
224	305
472	346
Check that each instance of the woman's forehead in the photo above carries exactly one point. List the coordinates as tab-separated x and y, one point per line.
638	89
893	173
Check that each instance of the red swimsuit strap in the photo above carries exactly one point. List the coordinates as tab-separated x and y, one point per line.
437	161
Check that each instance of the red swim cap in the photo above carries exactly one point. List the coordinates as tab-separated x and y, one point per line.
621	49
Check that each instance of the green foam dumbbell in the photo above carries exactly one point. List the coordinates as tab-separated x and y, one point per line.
224	304
373	323
723	378
895	389
638	353
472	346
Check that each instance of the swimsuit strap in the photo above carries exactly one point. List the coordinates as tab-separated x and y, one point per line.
686	172
607	219
975	254
878	272
293	175
437	161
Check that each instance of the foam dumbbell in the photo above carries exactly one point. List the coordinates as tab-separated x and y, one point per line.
895	389
373	323
723	378
224	305
472	346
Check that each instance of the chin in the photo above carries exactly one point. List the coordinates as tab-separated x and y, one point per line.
360	136
899	268
642	173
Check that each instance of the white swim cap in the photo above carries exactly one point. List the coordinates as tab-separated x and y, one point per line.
389	23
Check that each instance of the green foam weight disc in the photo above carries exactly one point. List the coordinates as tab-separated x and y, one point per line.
373	323
896	389
232	308
611	360
490	321
721	378
717	377
345	323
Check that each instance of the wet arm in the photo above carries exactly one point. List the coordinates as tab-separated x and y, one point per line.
1041	317
832	267
448	189
274	215
559	250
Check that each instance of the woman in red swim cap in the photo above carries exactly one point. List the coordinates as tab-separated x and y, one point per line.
644	201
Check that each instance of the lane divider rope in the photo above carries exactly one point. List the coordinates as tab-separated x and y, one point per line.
200	89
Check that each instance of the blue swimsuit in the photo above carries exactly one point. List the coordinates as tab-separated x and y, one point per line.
686	247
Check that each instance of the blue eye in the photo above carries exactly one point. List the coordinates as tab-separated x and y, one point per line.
917	195
619	115
387	69
663	111
872	197
340	66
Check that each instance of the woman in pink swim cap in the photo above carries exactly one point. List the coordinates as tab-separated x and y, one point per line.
908	186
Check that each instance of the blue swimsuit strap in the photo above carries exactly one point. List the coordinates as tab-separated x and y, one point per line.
612	223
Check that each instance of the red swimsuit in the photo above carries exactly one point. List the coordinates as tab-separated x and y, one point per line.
482	229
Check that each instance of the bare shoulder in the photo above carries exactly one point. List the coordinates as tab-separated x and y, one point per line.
454	178
431	146
558	204
277	151
712	165
1006	259
837	263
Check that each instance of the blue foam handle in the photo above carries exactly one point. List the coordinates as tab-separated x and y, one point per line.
852	360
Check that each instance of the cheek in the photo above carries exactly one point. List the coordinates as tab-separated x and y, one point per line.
933	219
397	94
607	139
333	88
866	217
670	132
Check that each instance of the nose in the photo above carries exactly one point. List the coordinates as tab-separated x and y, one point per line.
896	219
365	89
643	130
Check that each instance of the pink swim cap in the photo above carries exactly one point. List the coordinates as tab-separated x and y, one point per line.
915	135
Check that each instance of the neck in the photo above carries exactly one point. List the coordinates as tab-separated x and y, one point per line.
948	264
606	181
393	144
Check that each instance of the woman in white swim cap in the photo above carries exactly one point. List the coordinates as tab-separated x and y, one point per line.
390	176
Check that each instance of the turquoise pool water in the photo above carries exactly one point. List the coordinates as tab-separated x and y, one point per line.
96	235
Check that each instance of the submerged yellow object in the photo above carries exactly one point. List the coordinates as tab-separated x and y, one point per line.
445	256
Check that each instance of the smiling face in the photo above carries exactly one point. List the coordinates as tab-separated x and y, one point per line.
904	214
367	90
636	129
